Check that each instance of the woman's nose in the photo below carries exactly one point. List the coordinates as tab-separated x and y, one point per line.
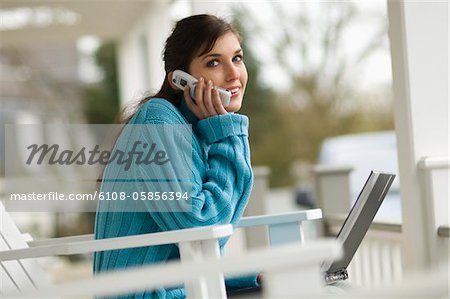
232	73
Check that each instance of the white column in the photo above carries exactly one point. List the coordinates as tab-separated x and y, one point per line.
140	64
419	48
158	26
129	68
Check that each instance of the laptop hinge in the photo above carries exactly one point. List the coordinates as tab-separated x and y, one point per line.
332	277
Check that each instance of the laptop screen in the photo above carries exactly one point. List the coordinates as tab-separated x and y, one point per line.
360	217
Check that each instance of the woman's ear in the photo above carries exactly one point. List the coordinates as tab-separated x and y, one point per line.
170	78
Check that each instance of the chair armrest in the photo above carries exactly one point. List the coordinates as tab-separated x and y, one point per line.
244	222
62	240
169	237
306	259
280	218
27	237
283	228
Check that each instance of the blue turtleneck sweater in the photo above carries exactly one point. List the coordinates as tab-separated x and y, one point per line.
220	180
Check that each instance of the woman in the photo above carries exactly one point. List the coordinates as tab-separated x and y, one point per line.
220	172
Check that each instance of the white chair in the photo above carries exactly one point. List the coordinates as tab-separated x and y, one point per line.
19	274
300	263
196	245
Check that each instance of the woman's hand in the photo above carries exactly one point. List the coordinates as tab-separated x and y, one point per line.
207	100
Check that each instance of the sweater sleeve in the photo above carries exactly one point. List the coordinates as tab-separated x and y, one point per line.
220	184
216	173
241	282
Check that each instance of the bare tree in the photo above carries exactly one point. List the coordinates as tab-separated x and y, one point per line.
314	48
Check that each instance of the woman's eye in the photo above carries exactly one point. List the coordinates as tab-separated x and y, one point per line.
212	63
238	58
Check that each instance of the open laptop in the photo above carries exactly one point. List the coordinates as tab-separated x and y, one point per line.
358	222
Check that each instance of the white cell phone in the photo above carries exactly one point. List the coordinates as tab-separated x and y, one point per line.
182	79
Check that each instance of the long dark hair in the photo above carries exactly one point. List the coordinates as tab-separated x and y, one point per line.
191	37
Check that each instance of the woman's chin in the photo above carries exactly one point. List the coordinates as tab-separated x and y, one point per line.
235	105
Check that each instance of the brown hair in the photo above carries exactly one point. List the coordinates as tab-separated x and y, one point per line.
191	37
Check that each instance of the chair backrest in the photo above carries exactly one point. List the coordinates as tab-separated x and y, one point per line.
17	275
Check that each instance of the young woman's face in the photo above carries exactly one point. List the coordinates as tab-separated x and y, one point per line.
224	66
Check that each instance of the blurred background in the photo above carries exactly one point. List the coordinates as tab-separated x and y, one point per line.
320	74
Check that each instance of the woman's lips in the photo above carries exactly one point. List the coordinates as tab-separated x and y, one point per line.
234	91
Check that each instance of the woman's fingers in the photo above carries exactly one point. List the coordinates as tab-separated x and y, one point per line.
207	99
199	97
191	105
217	102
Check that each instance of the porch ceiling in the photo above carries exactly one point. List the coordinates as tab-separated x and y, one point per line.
31	21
